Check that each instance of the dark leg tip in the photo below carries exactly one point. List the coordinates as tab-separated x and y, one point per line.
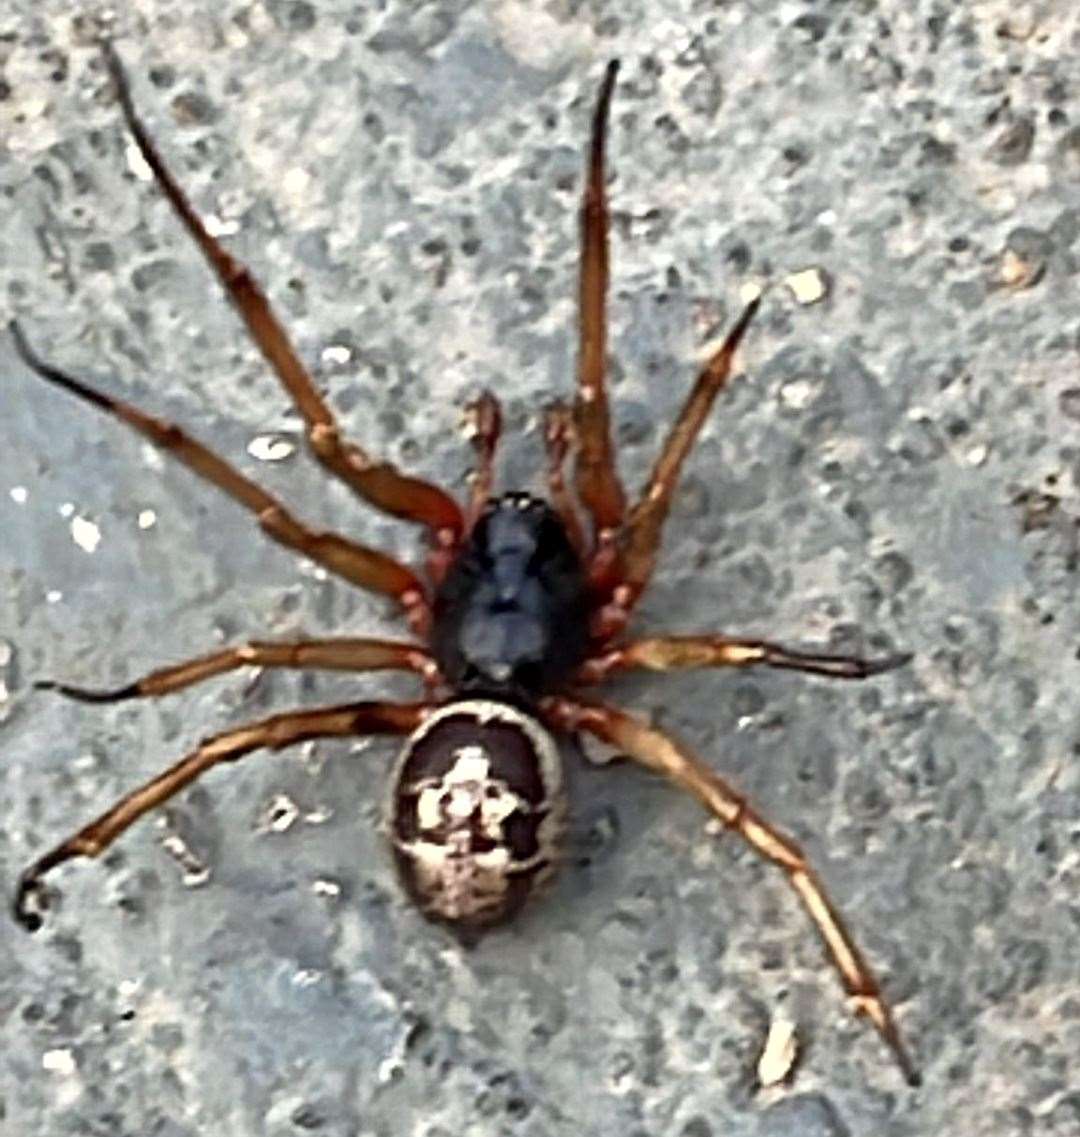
84	695
914	1079
31	903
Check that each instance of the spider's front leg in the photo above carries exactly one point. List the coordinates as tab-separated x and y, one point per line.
680	653
273	733
596	477
657	752
379	482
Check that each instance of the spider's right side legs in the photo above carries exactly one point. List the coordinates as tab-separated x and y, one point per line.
681	653
379	482
348	720
657	752
338	654
597	479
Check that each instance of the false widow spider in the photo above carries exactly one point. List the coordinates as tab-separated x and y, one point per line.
522	606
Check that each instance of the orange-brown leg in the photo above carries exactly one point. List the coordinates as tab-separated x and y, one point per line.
377	481
558	439
641	540
272	733
483	419
679	653
597	479
339	654
657	752
357	564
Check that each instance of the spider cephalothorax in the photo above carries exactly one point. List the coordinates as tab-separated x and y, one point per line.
523	605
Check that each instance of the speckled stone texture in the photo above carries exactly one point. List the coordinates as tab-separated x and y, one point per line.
896	466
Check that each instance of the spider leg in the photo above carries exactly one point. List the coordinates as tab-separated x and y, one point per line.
678	653
331	654
596	477
559	436
357	564
655	751
377	481
483	417
641	540
272	733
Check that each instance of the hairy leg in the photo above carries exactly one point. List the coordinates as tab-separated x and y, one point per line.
357	564
597	479
558	440
339	654
644	526
379	482
679	653
272	733
484	420
657	752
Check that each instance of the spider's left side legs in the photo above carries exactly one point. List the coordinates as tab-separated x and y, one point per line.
272	733
680	653
338	654
657	752
483	418
379	482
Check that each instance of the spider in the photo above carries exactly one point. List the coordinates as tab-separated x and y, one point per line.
523	605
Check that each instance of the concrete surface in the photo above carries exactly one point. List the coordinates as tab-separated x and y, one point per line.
896	466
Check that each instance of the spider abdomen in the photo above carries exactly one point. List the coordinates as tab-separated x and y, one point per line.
477	812
511	617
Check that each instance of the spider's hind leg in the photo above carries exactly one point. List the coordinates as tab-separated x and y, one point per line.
272	733
657	752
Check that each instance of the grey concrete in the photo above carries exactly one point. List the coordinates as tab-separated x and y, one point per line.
897	465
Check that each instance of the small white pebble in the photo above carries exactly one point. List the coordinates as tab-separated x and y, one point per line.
54	596
137	163
19	495
59	1062
217	227
1018	273
85	534
336	353
778	1055
296	181
152	457
977	455
67	509
324	887
750	292
270	448
147	519
797	394
808	286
